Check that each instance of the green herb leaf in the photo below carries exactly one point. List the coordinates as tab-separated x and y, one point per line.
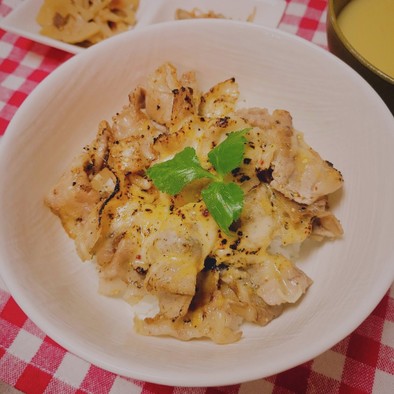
228	154
225	202
172	175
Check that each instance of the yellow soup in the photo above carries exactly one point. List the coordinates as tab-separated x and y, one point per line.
368	25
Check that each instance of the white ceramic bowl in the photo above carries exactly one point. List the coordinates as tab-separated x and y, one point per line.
342	118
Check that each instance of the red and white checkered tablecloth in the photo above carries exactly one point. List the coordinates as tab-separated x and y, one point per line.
32	363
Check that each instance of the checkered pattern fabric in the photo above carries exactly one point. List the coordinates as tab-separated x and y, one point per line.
307	19
32	363
363	362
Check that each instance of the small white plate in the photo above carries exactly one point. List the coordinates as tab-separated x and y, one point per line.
22	20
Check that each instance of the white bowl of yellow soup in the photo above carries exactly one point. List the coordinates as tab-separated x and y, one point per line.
361	32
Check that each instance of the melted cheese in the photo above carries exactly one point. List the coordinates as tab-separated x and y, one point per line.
149	243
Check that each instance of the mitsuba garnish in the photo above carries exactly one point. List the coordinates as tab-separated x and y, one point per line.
198	203
223	200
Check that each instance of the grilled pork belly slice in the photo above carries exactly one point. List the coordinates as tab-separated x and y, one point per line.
146	243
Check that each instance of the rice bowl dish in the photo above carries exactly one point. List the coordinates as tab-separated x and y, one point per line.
329	102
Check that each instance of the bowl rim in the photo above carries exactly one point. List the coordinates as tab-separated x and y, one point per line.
333	19
313	350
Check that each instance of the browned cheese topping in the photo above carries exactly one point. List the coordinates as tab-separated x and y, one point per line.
146	243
